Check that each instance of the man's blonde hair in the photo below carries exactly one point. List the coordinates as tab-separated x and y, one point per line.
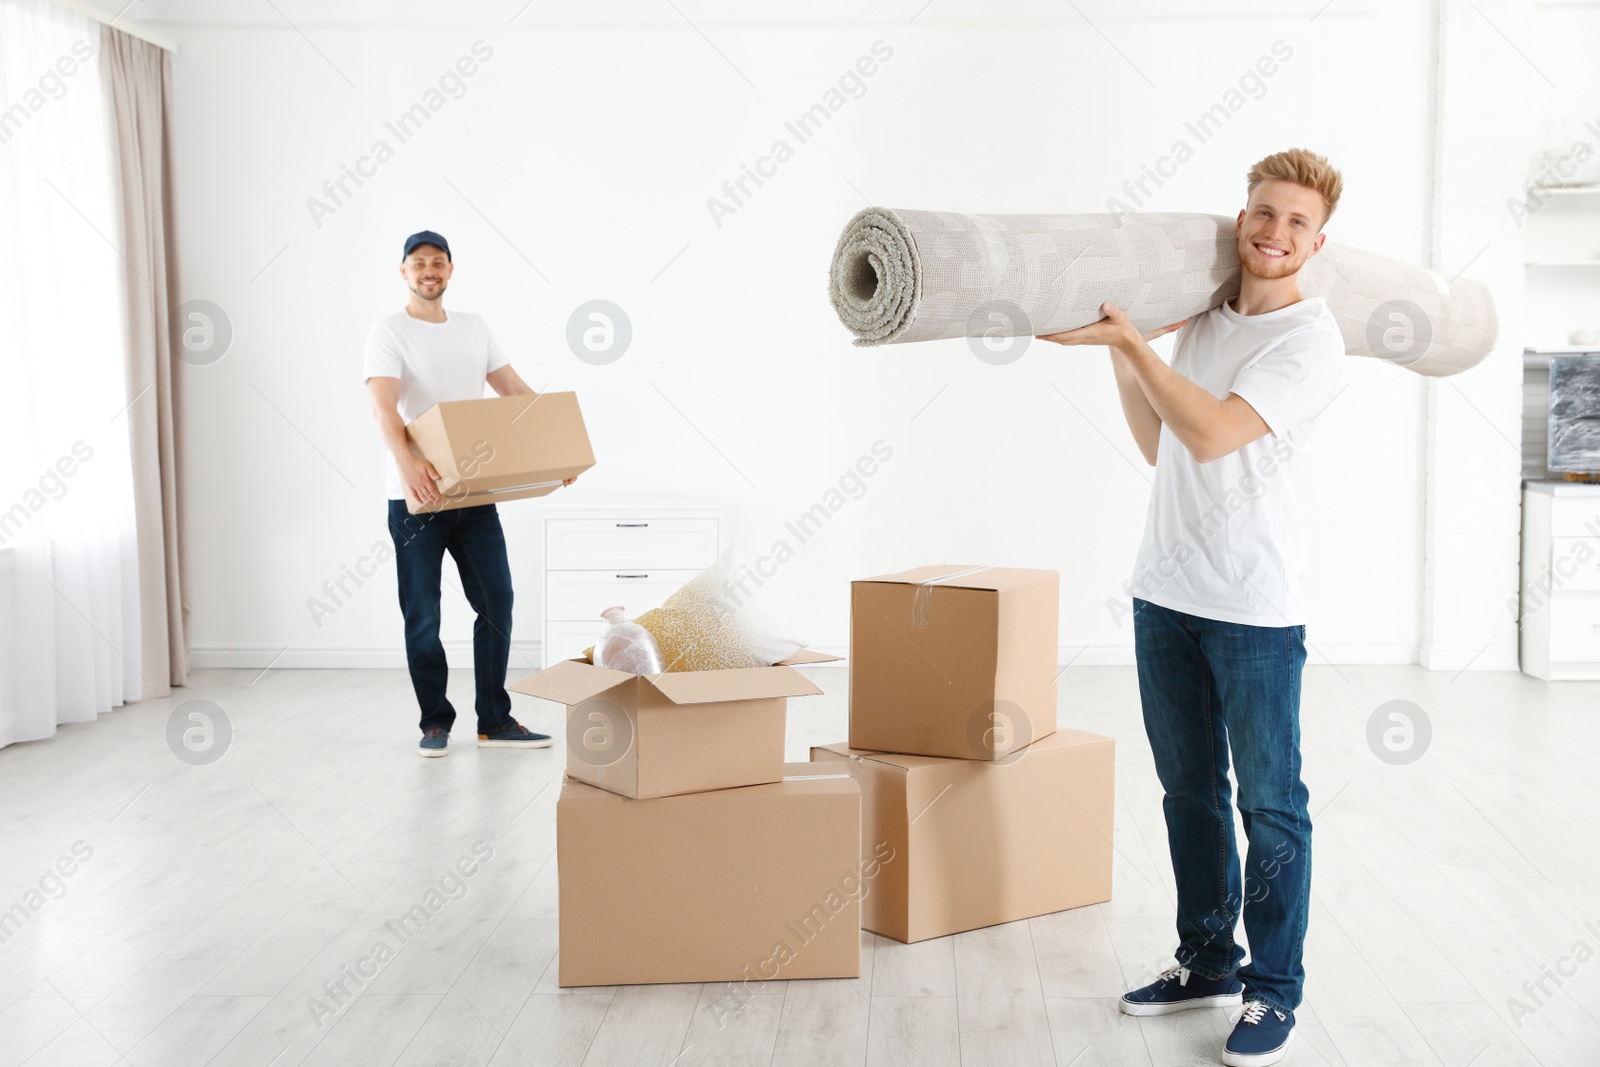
1302	167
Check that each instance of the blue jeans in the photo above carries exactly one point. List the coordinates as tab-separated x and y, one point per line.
1208	688
474	538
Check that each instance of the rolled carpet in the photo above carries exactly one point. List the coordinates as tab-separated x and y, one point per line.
900	276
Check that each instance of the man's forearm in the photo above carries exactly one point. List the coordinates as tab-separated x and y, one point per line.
1142	418
393	429
505	381
1191	412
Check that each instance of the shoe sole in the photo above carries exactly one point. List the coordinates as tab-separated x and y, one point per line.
486	743
432	753
1221	1000
1257	1059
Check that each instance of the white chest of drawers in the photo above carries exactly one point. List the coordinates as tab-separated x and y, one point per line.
631	553
1559	620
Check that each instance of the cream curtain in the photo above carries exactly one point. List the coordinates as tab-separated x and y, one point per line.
138	78
91	611
70	635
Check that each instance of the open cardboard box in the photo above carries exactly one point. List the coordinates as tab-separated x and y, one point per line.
680	732
953	660
971	843
500	448
733	885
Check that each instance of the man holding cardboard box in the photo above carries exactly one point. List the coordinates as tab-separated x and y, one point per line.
416	358
1219	623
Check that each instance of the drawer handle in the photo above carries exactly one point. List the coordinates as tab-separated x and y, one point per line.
630	525
646	576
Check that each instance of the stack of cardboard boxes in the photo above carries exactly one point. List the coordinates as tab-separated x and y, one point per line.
979	809
688	851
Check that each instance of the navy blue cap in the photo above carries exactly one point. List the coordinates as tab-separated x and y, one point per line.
426	237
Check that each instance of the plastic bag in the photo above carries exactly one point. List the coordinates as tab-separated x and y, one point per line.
626	646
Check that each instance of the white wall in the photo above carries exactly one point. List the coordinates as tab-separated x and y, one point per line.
587	153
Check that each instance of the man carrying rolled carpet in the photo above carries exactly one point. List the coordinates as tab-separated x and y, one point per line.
1219	622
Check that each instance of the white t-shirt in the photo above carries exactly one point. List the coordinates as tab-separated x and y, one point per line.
1223	539
435	362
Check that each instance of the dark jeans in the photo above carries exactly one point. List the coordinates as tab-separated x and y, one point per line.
1208	688
474	538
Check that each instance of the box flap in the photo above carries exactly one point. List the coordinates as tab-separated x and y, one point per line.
751	683
573	790
805	655
923	574
892	759
797	777
571	681
841	749
1064	737
807	771
964	576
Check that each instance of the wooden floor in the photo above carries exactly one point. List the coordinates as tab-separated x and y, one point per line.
218	900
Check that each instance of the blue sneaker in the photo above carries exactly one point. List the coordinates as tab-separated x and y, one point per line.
1179	989
1261	1036
513	735
435	742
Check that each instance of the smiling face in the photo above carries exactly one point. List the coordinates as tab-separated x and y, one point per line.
427	271
1278	229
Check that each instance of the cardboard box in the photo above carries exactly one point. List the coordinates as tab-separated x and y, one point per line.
500	448
972	843
955	661
669	734
737	885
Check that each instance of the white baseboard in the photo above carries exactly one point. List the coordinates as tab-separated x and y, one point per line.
1463	657
1318	654
1355	654
526	655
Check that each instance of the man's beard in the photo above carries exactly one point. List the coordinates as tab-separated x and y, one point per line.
1268	270
416	290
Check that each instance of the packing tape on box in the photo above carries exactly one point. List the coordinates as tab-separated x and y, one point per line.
922	599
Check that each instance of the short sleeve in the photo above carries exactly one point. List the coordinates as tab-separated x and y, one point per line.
382	357
497	358
1290	384
1182	333
1180	344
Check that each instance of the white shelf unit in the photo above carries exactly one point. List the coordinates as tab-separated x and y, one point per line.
1559	610
633	553
1562	244
1563	247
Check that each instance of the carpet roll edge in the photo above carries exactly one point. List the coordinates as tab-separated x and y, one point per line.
897	305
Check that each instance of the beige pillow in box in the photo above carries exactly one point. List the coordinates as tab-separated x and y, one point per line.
710	625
